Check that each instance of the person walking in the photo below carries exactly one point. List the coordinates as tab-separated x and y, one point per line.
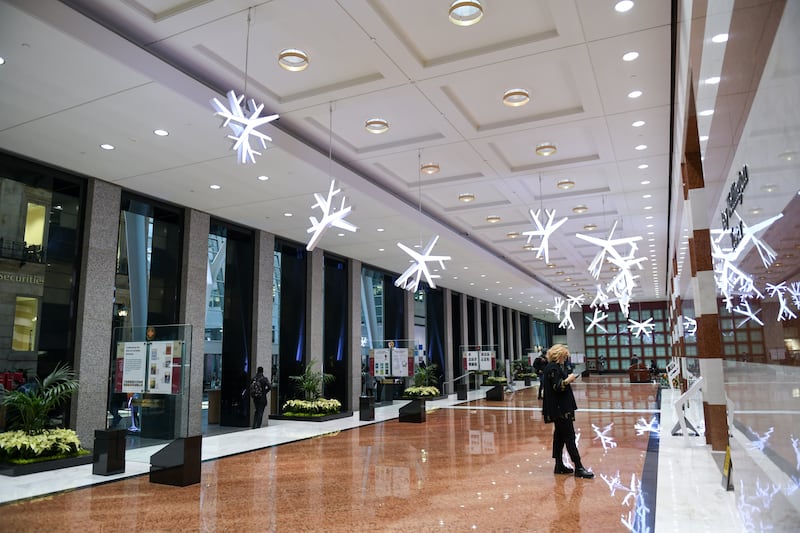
559	409
259	387
539	365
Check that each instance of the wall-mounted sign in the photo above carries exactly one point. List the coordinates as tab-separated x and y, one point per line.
18	277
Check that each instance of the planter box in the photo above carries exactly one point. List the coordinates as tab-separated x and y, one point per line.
108	455
413	411
366	408
177	464
8	469
323	418
496	393
461	391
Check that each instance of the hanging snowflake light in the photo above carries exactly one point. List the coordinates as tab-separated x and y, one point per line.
543	231
242	125
420	266
330	216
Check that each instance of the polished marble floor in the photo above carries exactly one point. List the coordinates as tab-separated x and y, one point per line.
472	466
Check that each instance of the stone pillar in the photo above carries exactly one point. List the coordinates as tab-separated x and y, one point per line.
490	334
194	282
264	270
709	337
314	307
500	336
95	309
478	325
447	298
354	328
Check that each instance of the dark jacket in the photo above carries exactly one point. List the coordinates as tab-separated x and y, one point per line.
559	402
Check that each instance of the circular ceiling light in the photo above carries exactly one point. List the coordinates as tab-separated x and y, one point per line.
769	187
106	146
376	125
551	265
713	80
788	155
293	60
465	12
720	38
430	168
565	184
161	133
641	147
643	166
635	94
590	227
528	247
623	6
516	97
630	56
579	209
706	113
546	149
466	197
638	123
493	219
512	234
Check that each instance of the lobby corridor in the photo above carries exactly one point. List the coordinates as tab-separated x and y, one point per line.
472	466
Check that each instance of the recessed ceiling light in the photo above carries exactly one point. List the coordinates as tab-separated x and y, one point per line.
647	196
2	61
645	182
512	234
376	125
215	187
565	184
635	94
755	211
769	187
340	234
493	219
643	166
580	209
466	197
638	124
720	38
161	133
381	249
293	60
623	6
559	273
465	12
789	155
567	279
380	230
263	177
713	80
590	227
706	113
630	56
516	97
647	207
528	247
430	168
641	147
703	138
551	265
546	149
287	214
106	146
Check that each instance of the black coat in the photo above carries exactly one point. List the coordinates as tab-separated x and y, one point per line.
559	402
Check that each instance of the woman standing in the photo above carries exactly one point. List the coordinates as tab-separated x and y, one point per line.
559	408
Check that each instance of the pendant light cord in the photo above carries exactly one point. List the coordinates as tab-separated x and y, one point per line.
246	55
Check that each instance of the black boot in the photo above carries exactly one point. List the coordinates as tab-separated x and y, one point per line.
561	468
582	472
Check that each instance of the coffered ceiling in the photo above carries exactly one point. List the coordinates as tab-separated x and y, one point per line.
81	73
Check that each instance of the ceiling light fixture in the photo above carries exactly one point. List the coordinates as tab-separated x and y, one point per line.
641	147
465	12
106	146
706	113
635	94
293	60
376	125
493	219
263	177
516	97
579	209
161	133
713	80
512	234
590	227
546	149
643	166
528	247
789	155
466	197
720	38
565	184
630	56
638	124
430	168
769	187
623	6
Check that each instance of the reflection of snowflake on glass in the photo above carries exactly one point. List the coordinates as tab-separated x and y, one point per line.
637	328
744	309
784	313
243	126
642	426
605	439
595	321
760	441
796	446
690	325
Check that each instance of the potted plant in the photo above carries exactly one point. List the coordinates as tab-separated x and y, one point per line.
425	379
33	439
312	406
427	391
498	383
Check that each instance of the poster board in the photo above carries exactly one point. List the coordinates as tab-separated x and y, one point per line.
486	360
149	367
471	360
134	365
401	364
379	362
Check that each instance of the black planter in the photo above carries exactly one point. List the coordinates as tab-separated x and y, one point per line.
366	408
496	393
178	463
413	411
461	391
10	469
108	454
320	418
527	381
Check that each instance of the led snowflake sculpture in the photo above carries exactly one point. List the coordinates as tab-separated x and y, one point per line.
760	441
329	217
420	266
690	325
600	299
744	309
642	426
796	446
543	231
637	328
595	321
556	309
794	291
243	126
778	290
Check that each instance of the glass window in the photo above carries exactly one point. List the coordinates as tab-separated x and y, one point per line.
26	314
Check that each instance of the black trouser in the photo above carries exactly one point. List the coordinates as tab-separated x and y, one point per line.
261	404
564	435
